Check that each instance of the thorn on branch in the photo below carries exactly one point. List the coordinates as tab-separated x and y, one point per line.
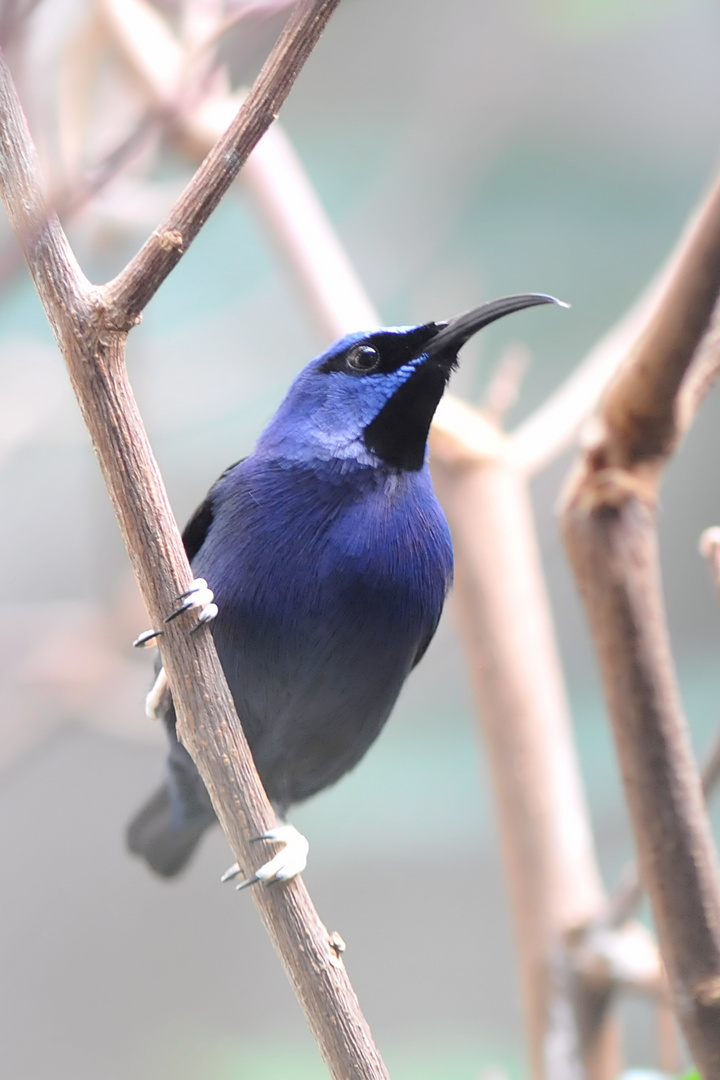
170	240
337	948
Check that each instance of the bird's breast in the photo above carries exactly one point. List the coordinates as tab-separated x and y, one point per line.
326	596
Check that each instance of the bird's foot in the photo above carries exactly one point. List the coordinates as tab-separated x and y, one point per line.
158	699
290	861
197	596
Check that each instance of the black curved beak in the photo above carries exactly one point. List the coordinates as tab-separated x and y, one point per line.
452	335
398	433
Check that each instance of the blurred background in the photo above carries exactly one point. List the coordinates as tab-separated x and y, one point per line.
463	151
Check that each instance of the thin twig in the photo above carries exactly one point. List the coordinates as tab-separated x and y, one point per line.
266	9
291	211
76	194
137	283
14	14
609	528
91	333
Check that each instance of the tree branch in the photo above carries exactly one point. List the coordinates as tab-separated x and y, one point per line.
273	174
640	408
629	892
60	281
131	290
554	426
90	326
553	880
609	529
74	195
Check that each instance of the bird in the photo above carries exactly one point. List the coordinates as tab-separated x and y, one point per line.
321	563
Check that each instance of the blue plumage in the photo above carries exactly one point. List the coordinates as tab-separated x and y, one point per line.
330	559
329	580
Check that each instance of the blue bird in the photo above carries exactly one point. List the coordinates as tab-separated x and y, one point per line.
329	560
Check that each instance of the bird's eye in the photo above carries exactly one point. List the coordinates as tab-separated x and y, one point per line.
363	358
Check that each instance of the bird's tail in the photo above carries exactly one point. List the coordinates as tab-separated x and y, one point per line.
156	835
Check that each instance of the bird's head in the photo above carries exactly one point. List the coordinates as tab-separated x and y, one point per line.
370	398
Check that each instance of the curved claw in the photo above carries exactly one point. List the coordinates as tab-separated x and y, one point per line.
231	872
197	596
207	614
290	861
146	639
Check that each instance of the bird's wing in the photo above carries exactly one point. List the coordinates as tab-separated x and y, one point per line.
197	527
199	524
426	641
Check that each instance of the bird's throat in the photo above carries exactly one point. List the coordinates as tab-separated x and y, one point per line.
398	434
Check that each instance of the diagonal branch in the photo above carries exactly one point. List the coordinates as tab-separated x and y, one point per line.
640	409
609	528
91	329
554	426
73	196
59	280
294	217
139	281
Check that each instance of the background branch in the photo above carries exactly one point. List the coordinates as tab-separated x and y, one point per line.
547	845
76	193
629	892
608	523
135	285
273	175
555	425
